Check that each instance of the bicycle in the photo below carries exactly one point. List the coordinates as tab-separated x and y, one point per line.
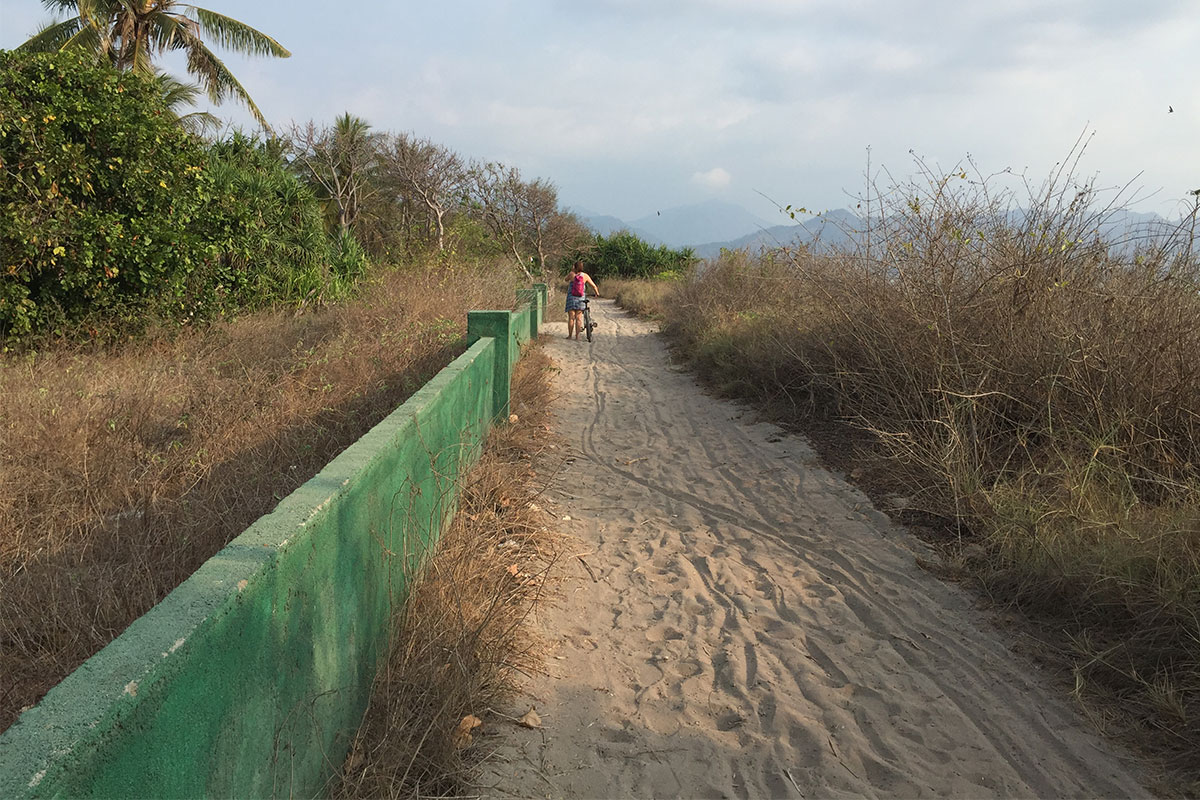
588	325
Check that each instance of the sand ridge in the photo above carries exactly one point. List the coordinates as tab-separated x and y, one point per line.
748	625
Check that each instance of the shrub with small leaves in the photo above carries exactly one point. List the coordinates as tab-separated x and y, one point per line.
101	196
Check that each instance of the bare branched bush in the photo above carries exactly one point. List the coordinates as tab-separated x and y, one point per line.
122	471
1031	370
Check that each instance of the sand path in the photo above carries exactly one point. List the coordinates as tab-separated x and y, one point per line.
755	628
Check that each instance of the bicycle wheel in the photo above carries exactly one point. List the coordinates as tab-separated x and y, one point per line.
587	322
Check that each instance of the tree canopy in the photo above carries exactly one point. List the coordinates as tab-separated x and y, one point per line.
130	34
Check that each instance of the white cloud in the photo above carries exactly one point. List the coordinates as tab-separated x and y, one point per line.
715	179
618	101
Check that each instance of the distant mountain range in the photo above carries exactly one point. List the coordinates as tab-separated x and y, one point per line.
682	226
712	226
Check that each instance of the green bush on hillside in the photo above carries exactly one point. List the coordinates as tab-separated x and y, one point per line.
265	234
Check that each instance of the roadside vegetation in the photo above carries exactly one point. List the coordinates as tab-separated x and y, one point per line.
462	640
625	255
646	298
1018	384
191	328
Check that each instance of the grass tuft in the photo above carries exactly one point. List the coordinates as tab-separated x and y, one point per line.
460	642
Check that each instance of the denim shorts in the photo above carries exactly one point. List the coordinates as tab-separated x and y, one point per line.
574	303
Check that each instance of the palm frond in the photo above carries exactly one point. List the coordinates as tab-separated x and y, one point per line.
58	6
54	36
238	36
217	80
167	30
97	13
140	54
176	95
199	123
174	92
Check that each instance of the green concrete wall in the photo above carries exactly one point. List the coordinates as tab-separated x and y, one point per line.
250	679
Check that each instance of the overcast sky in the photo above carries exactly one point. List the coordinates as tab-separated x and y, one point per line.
630	106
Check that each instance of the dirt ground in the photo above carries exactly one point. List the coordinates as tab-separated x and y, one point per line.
740	622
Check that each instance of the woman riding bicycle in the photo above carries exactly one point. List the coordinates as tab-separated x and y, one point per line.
577	283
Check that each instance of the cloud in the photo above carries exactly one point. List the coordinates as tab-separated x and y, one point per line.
715	179
619	101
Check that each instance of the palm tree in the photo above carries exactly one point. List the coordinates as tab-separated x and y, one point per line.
130	33
177	95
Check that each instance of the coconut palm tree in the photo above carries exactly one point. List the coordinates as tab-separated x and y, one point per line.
177	96
131	33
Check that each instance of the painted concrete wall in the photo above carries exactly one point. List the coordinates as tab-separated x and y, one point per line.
250	679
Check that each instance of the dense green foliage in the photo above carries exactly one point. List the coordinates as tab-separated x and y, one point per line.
112	214
266	231
102	192
624	255
115	218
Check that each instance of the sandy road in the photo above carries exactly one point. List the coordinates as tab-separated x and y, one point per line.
755	628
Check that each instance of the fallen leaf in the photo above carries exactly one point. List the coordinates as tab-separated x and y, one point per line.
513	570
462	734
531	719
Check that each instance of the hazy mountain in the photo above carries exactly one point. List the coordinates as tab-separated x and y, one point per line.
765	239
709	227
606	225
831	229
712	221
681	226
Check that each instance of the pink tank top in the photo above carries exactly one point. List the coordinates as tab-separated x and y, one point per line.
577	284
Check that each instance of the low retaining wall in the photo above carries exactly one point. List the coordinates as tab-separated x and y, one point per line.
250	679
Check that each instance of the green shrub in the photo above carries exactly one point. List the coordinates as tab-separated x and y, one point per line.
105	197
266	232
624	255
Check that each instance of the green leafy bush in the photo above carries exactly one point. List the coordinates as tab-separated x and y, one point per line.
624	255
102	195
116	216
266	232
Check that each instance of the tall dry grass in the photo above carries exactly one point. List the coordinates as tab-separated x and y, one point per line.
460	642
646	298
122	471
1034	386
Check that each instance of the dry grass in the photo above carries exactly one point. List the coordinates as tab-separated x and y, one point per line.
123	471
1035	389
460	642
646	298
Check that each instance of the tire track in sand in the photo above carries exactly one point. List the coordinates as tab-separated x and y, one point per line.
757	628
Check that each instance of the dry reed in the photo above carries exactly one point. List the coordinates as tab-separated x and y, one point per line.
646	298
